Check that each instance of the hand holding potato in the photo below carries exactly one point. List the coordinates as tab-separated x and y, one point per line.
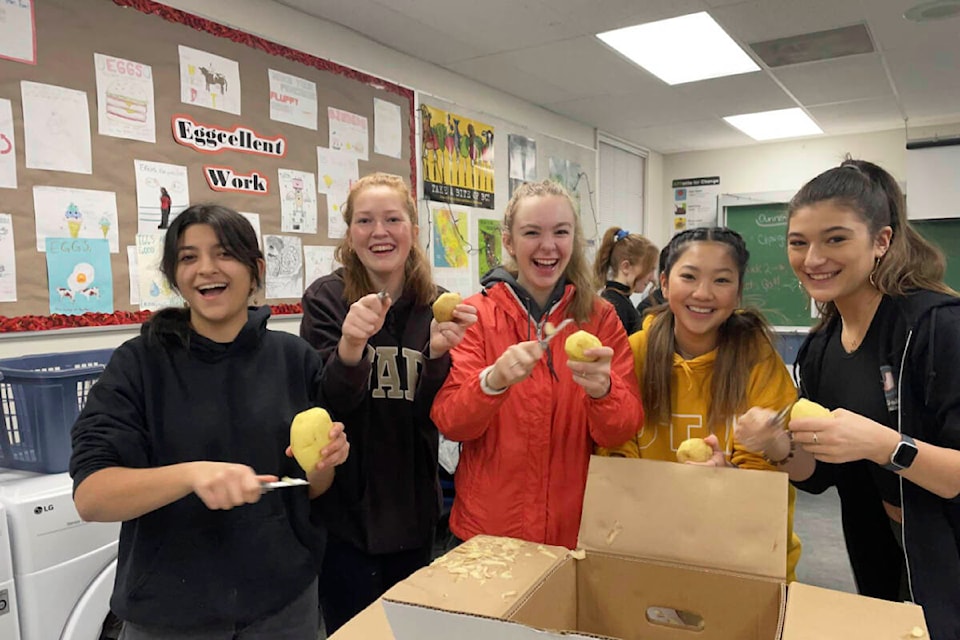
759	431
316	441
717	457
446	334
592	372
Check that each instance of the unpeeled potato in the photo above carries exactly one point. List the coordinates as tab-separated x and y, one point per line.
309	434
694	450
444	305
804	408
579	342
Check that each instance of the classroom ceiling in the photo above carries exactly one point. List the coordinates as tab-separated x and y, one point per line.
545	52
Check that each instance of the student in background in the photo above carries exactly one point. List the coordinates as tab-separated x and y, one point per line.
176	437
702	361
528	417
385	358
624	266
884	359
655	297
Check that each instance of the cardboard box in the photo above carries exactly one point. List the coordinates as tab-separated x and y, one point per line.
668	552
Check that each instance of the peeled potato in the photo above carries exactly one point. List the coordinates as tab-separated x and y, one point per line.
444	306
579	342
804	408
309	434
694	450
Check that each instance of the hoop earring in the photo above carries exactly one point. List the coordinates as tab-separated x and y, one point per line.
872	278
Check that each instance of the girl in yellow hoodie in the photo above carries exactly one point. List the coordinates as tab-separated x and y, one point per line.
702	361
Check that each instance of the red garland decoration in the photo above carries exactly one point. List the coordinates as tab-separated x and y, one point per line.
60	321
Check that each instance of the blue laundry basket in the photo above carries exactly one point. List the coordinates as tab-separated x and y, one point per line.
40	397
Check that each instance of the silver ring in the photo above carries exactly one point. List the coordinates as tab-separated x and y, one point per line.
816	440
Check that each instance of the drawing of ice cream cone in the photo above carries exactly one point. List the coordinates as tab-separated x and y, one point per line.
105	225
74	218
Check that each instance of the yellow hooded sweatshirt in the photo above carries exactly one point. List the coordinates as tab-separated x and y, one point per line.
769	386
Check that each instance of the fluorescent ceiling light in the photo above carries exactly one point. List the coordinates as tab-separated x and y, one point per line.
770	125
683	49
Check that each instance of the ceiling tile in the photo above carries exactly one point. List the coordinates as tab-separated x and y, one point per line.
838	80
653	107
733	95
876	114
498	74
756	20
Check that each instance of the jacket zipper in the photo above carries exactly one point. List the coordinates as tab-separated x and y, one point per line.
903	520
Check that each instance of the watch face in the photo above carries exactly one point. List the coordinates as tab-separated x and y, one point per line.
904	455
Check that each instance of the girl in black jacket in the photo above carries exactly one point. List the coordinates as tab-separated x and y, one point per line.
624	265
884	359
385	359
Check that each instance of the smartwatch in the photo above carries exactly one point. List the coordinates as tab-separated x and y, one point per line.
903	455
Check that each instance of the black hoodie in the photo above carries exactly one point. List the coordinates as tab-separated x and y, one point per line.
386	496
922	349
163	400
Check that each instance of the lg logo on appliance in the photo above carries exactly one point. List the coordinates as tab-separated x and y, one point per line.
42	509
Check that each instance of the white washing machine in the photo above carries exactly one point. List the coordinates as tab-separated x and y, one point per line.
63	567
9	624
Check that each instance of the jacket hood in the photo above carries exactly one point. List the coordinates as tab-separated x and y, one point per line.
533	309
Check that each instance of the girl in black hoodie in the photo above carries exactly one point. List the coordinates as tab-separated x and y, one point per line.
176	438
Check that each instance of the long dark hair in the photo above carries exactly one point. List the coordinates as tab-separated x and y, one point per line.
238	239
911	263
738	341
416	270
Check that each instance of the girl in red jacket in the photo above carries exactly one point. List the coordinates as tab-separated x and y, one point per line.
527	417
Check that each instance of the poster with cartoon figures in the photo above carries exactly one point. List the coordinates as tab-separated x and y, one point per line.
8	149
79	276
298	201
318	261
567	173
155	291
75	213
336	171
349	133
284	266
56	128
457	157
125	99
163	191
208	80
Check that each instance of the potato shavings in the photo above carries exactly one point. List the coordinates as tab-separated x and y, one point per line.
480	560
614	532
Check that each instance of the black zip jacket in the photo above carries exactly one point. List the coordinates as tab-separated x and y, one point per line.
922	348
618	295
162	401
386	496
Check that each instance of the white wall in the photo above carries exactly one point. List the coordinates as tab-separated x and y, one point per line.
785	166
286	26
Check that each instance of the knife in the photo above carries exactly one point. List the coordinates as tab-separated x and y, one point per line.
281	484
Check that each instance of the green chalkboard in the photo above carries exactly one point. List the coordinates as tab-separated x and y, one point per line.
770	284
946	235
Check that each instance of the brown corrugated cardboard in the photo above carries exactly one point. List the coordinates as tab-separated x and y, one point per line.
668	552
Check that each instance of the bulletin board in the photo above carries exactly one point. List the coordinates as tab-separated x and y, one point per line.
68	35
463	202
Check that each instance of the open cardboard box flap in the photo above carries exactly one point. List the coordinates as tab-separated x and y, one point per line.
715	518
656	537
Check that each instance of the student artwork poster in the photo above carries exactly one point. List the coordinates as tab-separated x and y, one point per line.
75	213
159	186
79	276
125	106
208	80
298	201
8	148
18	33
457	157
56	128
